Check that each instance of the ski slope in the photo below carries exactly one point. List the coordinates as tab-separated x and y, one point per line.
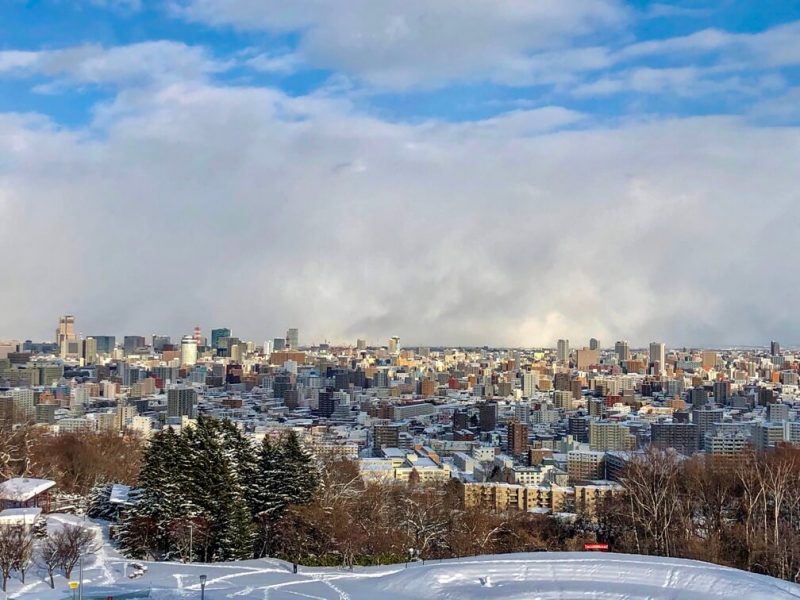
542	576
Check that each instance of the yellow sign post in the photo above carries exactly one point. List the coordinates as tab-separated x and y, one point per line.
73	585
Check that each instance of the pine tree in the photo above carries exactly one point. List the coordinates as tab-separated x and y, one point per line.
145	528
301	476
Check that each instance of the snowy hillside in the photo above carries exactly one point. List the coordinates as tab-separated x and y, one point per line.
543	576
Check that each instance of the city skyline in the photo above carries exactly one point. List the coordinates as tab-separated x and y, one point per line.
502	173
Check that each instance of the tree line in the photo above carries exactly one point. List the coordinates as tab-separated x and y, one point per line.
741	511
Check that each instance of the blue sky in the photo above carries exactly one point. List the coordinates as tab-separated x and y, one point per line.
728	78
450	171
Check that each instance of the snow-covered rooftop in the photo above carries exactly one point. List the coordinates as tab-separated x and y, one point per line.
20	489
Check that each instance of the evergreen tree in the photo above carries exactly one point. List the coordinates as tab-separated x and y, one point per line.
268	494
144	531
301	477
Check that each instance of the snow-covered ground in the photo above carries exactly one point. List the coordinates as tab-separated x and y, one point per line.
543	576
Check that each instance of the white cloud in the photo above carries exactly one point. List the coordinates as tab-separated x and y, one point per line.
247	208
418	42
772	48
145	62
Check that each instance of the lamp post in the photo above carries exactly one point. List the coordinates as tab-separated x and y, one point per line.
203	579
191	542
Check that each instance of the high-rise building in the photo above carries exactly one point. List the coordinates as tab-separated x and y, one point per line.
160	341
89	350
562	351
709	358
658	357
131	343
487	415
774	348
278	344
188	351
182	401
394	345
610	435
65	334
361	344
105	343
594	344
698	397
705	418
680	436
293	338
217	335
517	438
622	350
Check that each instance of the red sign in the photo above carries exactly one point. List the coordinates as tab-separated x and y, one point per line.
595	546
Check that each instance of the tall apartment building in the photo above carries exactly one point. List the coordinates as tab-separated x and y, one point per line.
562	351
705	418
658	357
767	435
680	436
89	350
585	466
594	344
610	435
517	438
622	350
182	402
487	416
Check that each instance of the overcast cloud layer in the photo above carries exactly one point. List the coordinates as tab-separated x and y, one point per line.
196	193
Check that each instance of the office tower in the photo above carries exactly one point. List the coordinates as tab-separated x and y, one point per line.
293	338
131	343
198	336
394	345
278	344
680	436
774	348
65	334
182	401
89	351
594	344
188	351
487	415
159	341
709	358
722	392
517	438
658	357
698	397
217	335
622	350
105	343
705	418
562	351
361	344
